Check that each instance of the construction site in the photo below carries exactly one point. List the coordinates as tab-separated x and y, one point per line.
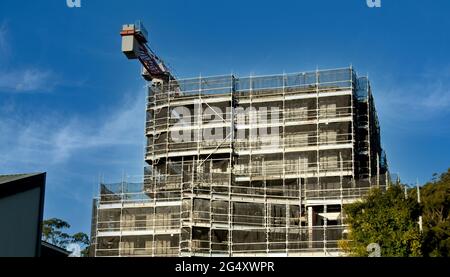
243	166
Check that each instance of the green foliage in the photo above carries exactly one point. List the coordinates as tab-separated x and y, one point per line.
390	219
83	240
80	238
53	231
386	218
435	198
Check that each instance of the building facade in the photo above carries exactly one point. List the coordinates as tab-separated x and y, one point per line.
22	209
255	166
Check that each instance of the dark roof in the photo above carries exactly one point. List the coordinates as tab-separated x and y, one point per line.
15	177
12	184
50	250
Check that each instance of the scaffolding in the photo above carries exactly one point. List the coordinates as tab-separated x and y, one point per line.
256	166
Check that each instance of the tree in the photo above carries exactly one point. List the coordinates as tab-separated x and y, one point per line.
435	198
387	218
53	231
83	240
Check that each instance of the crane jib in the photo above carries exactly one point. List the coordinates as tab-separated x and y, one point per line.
134	46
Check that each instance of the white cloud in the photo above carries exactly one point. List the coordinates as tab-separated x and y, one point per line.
27	80
438	98
426	97
122	127
51	139
74	150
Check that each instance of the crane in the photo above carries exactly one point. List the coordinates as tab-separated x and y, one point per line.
135	46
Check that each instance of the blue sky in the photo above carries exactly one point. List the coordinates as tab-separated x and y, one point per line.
73	106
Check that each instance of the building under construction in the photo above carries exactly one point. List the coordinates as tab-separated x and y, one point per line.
255	166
